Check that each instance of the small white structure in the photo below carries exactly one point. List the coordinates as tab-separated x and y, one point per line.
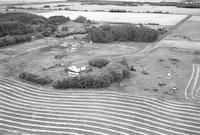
74	71
169	75
73	68
72	74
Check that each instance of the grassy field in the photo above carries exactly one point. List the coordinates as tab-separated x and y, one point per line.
190	30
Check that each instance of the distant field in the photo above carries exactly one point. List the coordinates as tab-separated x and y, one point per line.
25	1
162	19
148	0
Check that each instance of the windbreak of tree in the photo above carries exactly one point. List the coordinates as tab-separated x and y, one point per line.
11	40
189	5
26	18
17	27
14	28
125	32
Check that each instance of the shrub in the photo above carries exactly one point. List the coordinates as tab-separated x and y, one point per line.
46	6
124	62
81	19
98	62
57	20
118	71
35	78
11	40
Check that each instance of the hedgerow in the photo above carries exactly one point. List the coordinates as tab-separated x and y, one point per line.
35	78
11	40
98	62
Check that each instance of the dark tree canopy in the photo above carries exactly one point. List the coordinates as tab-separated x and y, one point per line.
125	32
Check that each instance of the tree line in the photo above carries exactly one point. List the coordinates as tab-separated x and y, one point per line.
124	32
17	27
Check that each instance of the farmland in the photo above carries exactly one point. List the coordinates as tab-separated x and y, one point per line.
161	19
99	72
188	31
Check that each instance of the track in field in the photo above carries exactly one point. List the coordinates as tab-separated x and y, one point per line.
192	91
30	110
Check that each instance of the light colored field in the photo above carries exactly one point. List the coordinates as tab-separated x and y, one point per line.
148	0
25	1
189	30
144	8
162	19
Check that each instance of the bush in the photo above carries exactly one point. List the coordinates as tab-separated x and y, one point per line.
81	19
11	40
98	62
35	78
118	71
126	32
57	20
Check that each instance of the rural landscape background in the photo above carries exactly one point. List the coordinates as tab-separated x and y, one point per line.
100	67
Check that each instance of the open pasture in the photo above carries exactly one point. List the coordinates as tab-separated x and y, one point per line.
189	30
144	18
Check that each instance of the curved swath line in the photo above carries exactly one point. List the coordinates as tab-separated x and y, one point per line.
117	93
45	131
140	97
86	113
5	87
16	131
56	103
152	131
80	120
119	120
24	102
50	118
195	83
117	101
189	83
93	94
35	98
55	106
61	125
108	112
117	124
195	93
78	91
138	109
